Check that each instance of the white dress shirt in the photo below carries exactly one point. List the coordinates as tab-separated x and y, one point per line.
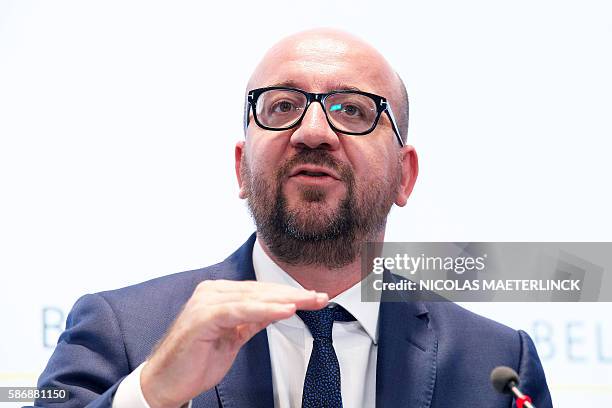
290	345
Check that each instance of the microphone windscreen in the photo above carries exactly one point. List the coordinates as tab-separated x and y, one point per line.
501	376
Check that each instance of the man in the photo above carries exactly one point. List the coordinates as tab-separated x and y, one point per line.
323	161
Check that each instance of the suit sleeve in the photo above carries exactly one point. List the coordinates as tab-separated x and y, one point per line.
90	359
531	374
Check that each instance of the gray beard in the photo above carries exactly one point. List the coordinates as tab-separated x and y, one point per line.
307	236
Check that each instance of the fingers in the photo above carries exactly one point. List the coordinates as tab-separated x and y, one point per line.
302	299
224	291
254	305
232	314
226	286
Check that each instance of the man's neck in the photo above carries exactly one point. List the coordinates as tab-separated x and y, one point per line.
321	278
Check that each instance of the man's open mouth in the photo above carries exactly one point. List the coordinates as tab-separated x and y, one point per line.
314	171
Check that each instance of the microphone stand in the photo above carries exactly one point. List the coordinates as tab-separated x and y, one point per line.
522	400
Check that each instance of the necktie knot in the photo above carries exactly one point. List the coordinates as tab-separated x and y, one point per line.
321	322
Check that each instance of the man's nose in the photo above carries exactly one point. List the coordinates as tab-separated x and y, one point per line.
314	131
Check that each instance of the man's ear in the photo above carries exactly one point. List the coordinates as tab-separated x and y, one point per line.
409	162
238	157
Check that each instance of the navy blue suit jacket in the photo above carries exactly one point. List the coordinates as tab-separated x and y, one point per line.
430	354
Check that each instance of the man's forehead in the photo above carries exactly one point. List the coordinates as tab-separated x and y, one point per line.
319	45
318	85
322	70
323	60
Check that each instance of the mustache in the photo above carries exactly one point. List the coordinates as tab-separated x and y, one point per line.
316	157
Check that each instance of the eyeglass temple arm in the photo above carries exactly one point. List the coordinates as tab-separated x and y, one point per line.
389	112
247	111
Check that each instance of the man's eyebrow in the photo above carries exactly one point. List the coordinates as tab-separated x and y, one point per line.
337	86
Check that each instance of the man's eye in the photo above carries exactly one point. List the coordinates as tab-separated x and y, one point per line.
352	110
348	110
283	107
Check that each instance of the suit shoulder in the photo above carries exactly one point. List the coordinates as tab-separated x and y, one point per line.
484	343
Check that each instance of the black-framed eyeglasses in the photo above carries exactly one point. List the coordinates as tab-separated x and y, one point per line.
349	112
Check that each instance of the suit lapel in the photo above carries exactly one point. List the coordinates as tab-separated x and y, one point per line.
249	382
407	348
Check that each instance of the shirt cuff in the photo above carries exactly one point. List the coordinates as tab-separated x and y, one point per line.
129	394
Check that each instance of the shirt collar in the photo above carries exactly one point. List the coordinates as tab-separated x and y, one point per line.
366	313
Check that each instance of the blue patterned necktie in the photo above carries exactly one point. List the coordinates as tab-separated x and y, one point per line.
322	382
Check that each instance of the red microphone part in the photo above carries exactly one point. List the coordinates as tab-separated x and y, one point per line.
521	401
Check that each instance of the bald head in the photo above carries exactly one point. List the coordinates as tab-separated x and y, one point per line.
322	60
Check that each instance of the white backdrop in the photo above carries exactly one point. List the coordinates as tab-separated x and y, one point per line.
118	121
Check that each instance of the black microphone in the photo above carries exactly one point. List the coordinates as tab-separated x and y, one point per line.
505	380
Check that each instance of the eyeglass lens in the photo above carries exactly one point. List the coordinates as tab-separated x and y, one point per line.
348	112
